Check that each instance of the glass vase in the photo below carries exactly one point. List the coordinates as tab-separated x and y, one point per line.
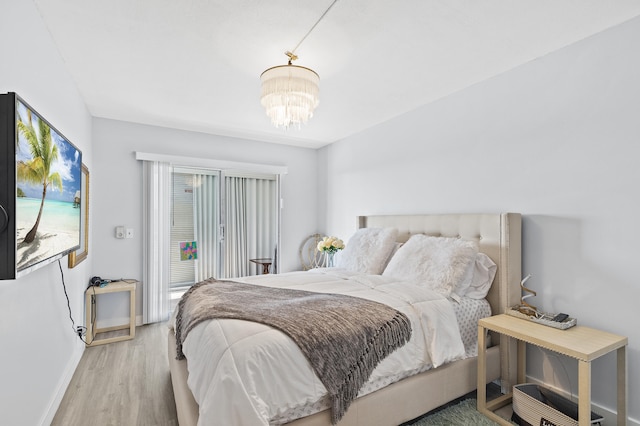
329	260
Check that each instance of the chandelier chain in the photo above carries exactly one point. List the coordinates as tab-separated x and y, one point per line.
313	27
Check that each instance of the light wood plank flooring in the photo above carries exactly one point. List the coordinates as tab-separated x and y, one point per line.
128	383
122	383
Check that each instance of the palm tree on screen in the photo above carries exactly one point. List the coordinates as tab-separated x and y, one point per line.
37	170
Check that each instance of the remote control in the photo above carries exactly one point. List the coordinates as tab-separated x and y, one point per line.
560	317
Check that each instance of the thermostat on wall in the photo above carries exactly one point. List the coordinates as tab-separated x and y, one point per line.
119	231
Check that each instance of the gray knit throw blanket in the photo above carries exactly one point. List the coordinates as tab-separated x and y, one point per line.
343	337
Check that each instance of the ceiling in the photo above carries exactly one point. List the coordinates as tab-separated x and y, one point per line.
195	64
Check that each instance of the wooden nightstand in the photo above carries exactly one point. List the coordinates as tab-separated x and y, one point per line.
91	294
582	343
265	262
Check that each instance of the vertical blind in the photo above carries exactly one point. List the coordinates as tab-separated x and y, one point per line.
206	225
251	223
182	227
245	207
195	216
156	190
249	214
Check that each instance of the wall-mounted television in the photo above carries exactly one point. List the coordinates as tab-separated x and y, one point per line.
40	179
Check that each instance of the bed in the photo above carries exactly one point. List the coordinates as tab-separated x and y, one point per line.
499	237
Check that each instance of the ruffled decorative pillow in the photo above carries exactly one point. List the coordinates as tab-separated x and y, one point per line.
437	263
367	250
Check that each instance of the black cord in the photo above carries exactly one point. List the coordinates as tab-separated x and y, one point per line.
77	331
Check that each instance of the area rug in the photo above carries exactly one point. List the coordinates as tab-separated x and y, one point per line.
462	414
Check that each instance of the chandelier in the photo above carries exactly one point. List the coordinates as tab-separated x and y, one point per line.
290	93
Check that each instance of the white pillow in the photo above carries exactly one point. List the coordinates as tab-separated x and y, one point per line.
478	278
437	263
367	250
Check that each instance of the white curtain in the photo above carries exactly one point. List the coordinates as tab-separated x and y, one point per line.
205	223
156	193
251	220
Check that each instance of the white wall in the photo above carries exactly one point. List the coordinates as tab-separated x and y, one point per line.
557	140
39	349
116	185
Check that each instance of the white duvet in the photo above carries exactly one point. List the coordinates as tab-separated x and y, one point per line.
244	373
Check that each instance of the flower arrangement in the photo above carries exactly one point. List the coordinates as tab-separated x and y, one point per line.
330	245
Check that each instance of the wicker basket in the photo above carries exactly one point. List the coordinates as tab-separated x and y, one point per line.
544	319
536	405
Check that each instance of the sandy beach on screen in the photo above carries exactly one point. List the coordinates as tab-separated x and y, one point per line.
47	243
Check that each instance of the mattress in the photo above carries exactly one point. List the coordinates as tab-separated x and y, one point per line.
242	380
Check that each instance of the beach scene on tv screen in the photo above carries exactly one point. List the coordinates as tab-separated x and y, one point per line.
49	174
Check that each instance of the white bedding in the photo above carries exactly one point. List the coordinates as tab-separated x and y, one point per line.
468	311
251	374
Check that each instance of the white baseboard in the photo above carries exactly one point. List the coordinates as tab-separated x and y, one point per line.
610	417
63	384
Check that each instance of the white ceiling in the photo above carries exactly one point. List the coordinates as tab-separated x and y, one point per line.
195	64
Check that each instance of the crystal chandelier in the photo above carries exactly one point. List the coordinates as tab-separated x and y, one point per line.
289	92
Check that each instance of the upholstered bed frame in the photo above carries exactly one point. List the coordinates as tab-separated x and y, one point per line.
498	236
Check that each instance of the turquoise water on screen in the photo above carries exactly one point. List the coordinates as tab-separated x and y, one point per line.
58	216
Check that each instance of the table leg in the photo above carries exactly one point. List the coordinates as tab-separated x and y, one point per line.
89	314
521	376
622	385
584	393
482	370
132	312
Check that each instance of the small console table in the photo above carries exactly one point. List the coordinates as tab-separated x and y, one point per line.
582	343
91	294
265	262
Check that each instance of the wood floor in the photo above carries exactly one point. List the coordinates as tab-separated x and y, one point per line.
127	383
122	383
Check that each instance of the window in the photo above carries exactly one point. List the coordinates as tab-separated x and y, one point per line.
232	216
229	223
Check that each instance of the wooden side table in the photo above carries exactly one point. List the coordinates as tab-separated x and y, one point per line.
91	294
265	262
582	343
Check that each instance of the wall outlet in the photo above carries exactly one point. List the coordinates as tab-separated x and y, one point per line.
128	233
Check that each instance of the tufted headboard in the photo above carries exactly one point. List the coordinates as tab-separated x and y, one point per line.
498	236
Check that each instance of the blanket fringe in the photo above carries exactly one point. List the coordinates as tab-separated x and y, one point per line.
179	318
391	336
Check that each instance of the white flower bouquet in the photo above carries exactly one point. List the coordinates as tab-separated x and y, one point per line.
330	245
